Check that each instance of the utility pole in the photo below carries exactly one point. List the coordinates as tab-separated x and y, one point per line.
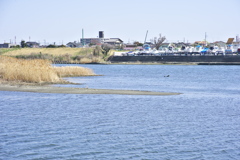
83	37
205	39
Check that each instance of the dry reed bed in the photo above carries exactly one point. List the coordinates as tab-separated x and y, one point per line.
37	71
70	71
50	51
70	55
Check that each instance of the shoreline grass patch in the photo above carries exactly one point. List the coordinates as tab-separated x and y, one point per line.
33	71
73	71
37	71
58	55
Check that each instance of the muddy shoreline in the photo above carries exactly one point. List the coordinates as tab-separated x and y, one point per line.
68	90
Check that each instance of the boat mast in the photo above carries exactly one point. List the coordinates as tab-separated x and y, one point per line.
146	37
205	39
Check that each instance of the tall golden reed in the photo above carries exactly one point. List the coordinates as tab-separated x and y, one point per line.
37	70
70	71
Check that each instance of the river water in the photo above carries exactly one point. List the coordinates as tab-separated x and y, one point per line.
201	123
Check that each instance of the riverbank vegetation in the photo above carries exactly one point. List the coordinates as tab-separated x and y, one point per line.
73	71
36	71
61	55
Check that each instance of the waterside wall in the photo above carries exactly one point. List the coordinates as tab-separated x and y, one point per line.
163	59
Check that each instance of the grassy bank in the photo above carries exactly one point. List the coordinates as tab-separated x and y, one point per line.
57	55
49	51
36	71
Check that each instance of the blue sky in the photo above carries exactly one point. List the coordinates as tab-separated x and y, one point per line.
63	20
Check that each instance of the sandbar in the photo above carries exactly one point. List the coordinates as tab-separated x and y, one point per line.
70	90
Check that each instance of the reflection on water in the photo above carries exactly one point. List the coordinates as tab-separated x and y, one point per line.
201	123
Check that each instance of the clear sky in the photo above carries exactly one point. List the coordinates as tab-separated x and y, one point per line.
63	20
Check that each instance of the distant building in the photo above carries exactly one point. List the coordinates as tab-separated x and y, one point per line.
132	47
180	44
237	38
150	44
202	43
7	45
93	41
220	43
74	44
164	45
117	42
32	44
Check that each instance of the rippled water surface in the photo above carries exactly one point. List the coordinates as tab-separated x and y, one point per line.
201	123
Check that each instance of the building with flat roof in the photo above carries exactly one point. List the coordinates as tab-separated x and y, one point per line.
7	45
32	44
117	42
93	41
100	41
